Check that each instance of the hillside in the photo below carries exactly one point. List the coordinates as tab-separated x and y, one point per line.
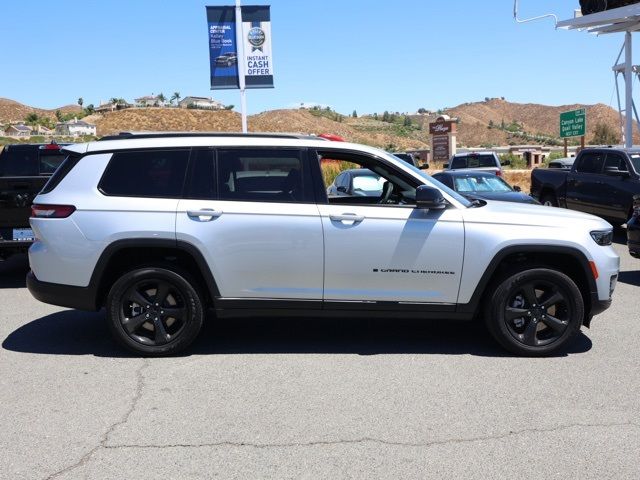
534	119
481	123
370	132
12	111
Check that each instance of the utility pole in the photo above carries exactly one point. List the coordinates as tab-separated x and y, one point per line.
241	66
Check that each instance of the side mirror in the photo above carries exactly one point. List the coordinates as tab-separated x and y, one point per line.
424	166
506	163
517	188
615	172
445	166
430	198
342	189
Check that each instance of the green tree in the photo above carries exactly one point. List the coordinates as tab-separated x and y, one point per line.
114	100
80	101
90	109
176	97
32	119
385	116
407	121
161	98
58	115
605	135
491	124
422	111
354	114
229	107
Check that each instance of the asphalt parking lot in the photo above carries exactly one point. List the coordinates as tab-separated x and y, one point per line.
304	398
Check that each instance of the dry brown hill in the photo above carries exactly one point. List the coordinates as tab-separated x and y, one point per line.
534	118
290	121
12	111
475	119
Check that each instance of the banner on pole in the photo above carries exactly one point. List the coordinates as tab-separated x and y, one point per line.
223	49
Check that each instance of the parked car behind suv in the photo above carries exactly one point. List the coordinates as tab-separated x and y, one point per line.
24	169
633	229
602	181
486	161
159	228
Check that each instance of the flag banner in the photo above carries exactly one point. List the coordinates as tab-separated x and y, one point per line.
223	51
256	34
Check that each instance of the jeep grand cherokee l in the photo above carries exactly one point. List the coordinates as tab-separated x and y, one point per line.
160	228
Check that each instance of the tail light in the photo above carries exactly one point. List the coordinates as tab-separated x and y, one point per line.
499	173
52	211
51	146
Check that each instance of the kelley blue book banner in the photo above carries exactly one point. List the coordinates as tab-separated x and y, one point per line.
223	51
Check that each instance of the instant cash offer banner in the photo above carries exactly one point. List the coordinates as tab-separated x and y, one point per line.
223	50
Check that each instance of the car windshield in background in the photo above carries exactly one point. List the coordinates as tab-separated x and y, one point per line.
368	183
635	160
473	161
481	184
429	180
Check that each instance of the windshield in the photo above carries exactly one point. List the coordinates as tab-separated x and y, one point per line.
481	184
367	183
435	183
473	161
635	160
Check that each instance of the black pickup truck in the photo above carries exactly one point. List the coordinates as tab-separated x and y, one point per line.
602	181
24	169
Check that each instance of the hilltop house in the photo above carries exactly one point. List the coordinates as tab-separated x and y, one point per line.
200	102
150	101
19	130
110	107
75	128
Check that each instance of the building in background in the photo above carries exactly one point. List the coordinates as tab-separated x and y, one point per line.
201	103
75	128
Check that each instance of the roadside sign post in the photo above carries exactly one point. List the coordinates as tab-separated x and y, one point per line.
573	124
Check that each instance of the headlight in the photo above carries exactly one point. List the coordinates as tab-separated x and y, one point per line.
603	238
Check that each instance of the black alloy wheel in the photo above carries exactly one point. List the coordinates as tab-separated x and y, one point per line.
154	311
535	312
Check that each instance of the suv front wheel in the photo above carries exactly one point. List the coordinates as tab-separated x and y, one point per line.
534	312
154	311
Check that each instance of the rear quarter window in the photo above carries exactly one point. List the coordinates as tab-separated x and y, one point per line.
149	173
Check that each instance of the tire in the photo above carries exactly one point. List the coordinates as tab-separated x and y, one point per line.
549	200
534	312
154	311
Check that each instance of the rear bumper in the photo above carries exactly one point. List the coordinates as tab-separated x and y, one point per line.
81	298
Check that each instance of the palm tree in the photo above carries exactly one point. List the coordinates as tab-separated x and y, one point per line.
80	101
176	97
113	100
161	98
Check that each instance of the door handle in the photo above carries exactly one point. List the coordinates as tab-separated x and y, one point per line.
347	217
204	215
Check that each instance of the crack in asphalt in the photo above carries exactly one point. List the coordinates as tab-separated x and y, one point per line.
376	440
140	384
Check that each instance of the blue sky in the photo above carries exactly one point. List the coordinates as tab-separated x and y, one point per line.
349	54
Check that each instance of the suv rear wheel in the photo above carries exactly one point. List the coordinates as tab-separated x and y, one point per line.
154	311
534	312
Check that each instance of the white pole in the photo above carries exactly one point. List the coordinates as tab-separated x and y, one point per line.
628	79
241	73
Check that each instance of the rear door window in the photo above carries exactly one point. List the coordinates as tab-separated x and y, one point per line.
263	175
49	161
615	161
150	173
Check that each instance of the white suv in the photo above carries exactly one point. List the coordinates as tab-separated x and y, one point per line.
159	228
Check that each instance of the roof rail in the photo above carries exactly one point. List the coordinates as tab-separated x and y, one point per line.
140	135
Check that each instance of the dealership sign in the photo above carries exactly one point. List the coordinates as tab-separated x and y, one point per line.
226	62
